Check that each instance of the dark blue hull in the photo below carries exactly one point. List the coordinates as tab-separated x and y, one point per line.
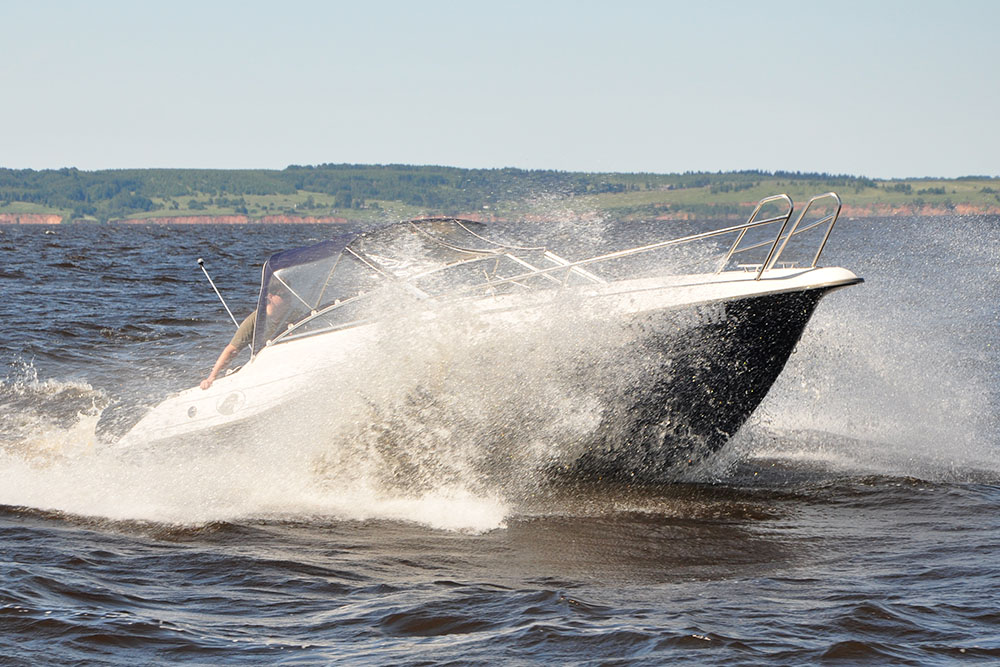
703	372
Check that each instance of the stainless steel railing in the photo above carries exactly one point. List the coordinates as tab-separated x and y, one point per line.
752	222
775	251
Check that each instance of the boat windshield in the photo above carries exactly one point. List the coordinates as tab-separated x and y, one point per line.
294	283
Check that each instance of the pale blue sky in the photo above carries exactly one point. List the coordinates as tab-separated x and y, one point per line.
876	88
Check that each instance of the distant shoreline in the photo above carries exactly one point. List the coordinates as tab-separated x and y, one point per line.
848	211
30	219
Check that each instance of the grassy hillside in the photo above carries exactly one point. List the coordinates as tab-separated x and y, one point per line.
392	192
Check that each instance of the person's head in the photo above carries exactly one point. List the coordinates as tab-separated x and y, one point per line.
276	301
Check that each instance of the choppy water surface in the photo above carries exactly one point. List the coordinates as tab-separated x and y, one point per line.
856	518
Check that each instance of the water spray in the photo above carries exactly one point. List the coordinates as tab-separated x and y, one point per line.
201	263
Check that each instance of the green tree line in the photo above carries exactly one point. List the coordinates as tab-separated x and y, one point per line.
121	193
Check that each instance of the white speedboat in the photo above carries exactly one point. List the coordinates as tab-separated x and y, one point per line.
704	348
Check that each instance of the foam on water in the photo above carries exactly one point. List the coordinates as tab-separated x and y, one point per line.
191	488
44	418
50	459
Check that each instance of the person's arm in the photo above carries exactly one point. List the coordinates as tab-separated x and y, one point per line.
244	334
227	355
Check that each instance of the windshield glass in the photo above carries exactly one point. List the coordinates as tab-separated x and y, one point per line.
298	282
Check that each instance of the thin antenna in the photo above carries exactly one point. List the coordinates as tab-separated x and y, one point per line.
201	263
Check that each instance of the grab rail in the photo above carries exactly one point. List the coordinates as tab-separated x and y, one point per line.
832	218
749	224
774	254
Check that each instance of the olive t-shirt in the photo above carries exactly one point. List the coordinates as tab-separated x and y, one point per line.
244	335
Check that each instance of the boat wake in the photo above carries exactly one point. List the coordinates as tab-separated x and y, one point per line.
51	459
46	419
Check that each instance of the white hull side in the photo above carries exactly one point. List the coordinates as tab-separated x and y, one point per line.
287	371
